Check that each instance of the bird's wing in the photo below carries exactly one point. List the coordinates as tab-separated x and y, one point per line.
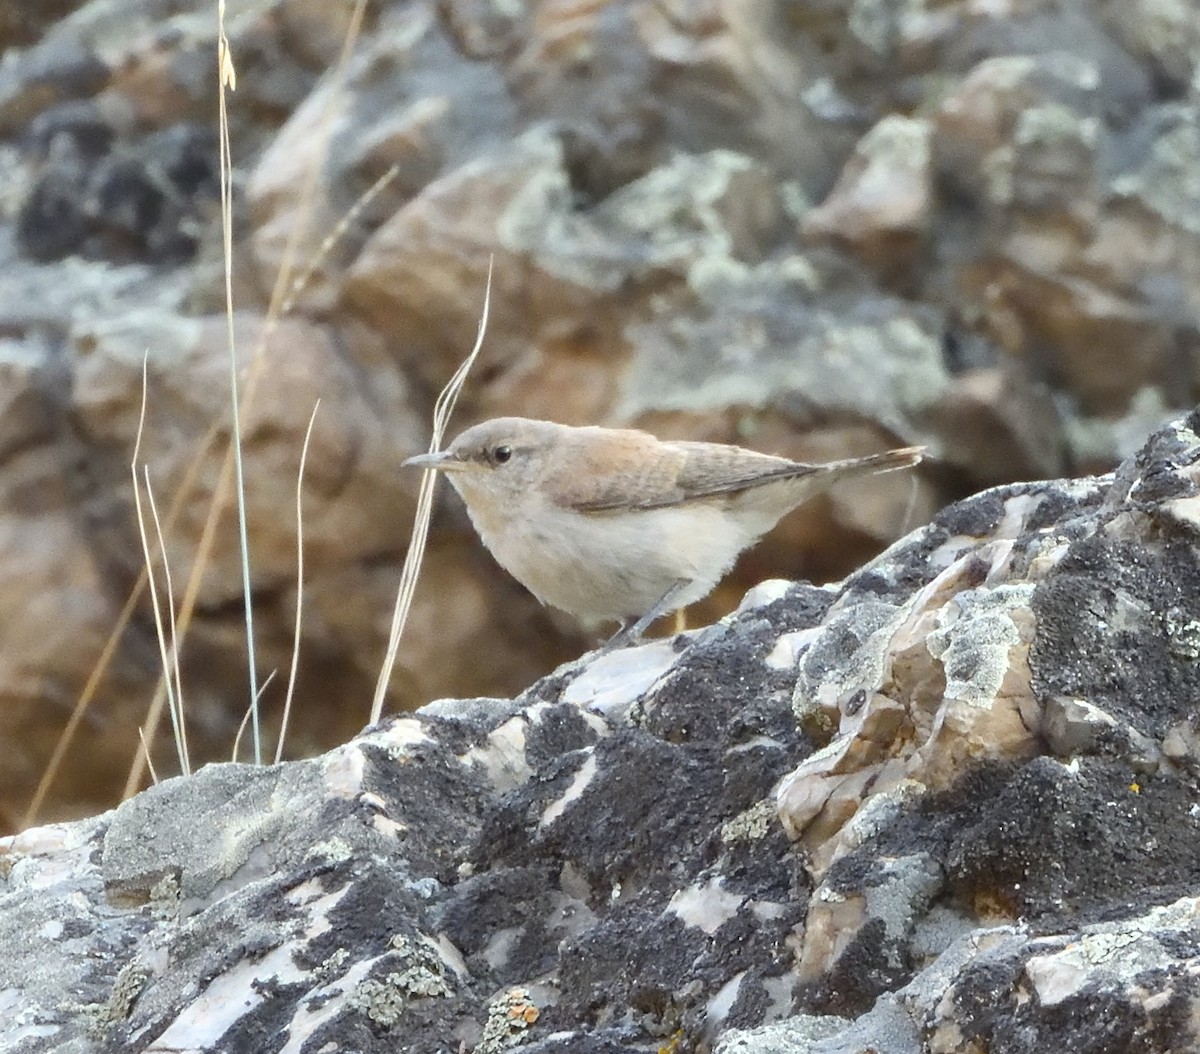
711	468
619	474
679	471
622	476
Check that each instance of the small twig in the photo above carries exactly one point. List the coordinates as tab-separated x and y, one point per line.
442	410
287	702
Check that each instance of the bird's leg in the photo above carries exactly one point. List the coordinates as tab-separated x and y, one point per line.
633	629
618	639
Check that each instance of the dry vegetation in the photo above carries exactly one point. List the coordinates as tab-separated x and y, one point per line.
172	620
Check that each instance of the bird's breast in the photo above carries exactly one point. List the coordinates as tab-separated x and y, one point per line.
609	565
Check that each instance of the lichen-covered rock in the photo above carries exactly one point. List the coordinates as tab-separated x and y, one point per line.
882	204
1108	986
147	201
947	804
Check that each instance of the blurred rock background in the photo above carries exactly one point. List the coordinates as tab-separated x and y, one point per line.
815	228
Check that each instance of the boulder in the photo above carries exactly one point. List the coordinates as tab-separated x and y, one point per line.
947	804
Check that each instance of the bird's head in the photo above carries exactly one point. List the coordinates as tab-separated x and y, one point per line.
498	460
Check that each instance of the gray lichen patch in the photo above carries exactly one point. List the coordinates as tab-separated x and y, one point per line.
1183	632
205	831
425	971
1114	954
1053	626
922	689
850	656
974	639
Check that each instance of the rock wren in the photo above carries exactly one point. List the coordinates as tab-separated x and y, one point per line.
614	524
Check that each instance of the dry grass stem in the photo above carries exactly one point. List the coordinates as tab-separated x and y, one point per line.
276	309
442	410
237	740
287	290
154	712
173	703
183	493
96	675
227	82
81	705
146	753
287	702
910	509
175	662
258	358
226	73
300	282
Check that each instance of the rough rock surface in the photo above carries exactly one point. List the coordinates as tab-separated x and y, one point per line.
948	804
816	229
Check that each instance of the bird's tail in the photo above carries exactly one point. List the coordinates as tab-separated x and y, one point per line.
888	461
807	480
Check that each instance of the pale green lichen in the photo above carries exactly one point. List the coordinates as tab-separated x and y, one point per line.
102	1018
1183	634
817	721
334	962
165	896
974	639
509	1017
421	976
752	825
127	987
332	851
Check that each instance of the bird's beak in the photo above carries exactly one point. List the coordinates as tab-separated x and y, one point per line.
442	461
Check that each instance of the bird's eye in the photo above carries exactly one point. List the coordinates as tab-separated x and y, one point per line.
501	454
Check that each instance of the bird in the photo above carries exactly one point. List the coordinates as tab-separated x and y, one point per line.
616	525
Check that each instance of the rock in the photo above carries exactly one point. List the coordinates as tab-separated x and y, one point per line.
353	493
1005	428
678	80
975	125
20	24
644	851
537	314
412	109
1025	139
882	204
1094	990
1159	34
138	203
46	74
